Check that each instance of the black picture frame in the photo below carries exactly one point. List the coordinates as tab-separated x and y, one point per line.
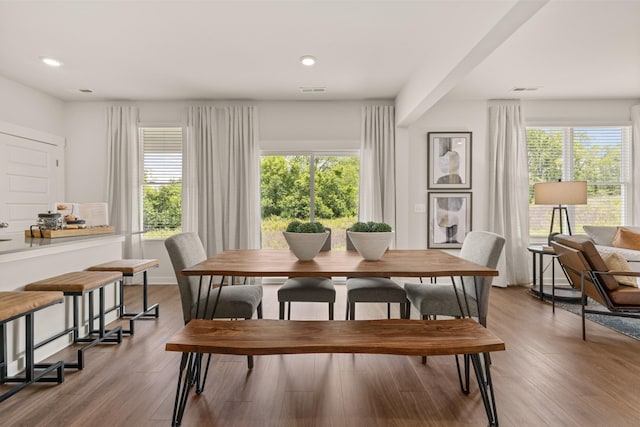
449	216
449	160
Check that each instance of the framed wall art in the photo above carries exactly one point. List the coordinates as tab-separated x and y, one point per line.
449	160
449	219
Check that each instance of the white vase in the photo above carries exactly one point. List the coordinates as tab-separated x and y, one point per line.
371	245
305	246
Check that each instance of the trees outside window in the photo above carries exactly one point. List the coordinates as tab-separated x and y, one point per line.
308	187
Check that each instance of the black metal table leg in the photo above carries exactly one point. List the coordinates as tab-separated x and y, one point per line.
483	375
188	367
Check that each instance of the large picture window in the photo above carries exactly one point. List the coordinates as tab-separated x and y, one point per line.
598	155
162	181
317	187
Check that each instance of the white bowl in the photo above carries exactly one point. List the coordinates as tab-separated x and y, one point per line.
371	245
305	246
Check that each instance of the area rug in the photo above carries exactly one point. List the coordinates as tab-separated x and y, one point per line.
626	326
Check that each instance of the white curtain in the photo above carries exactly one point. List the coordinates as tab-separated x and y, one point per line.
377	165
509	189
124	177
221	178
635	162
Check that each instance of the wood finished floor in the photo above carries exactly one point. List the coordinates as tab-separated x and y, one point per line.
547	377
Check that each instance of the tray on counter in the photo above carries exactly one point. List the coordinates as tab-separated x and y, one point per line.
52	234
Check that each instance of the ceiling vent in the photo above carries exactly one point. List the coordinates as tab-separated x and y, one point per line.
308	89
524	89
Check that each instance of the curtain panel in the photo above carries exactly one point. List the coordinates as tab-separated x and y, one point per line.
221	178
509	189
635	162
377	165
124	176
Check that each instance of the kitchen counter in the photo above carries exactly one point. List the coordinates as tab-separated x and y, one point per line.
16	245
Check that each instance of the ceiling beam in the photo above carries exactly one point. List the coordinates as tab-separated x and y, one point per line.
420	93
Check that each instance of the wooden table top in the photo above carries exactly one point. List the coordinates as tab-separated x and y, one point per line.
18	303
388	336
395	262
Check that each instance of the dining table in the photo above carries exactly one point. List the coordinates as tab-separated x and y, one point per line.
228	265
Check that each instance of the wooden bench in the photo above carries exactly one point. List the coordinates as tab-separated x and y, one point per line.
129	268
14	305
76	285
393	336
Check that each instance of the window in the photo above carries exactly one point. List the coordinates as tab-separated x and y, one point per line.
316	187
598	155
162	183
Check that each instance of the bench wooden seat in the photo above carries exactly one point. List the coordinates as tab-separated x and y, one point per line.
129	268
389	336
75	285
14	305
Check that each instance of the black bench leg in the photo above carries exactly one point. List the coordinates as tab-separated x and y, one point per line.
483	375
188	367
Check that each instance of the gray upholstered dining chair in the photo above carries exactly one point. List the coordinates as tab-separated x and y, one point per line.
308	289
235	302
481	247
470	297
374	290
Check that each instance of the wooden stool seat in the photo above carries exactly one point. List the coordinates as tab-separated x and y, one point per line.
77	284
128	268
17	304
14	305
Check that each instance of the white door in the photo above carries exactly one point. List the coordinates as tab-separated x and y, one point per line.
31	180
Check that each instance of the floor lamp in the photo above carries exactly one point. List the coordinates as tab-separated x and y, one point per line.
560	193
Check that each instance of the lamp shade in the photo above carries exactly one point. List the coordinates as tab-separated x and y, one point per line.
560	193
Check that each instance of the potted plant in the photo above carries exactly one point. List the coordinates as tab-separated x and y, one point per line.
371	239
305	239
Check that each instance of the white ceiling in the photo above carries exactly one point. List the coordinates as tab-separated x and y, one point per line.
170	50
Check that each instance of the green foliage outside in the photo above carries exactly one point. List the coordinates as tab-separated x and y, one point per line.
162	210
597	163
285	195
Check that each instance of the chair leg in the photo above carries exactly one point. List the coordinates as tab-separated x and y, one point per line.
408	310
388	311
259	310
463	386
289	310
346	312
330	311
424	358
281	315
352	311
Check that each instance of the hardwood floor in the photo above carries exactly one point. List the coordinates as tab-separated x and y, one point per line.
547	377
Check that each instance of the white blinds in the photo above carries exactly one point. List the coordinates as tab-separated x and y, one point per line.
162	155
599	155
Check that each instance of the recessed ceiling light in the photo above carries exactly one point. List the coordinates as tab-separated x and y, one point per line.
308	60
85	90
51	62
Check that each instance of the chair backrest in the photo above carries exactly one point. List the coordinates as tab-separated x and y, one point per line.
185	250
484	248
577	254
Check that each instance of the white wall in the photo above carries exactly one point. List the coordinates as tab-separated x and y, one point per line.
445	116
20	105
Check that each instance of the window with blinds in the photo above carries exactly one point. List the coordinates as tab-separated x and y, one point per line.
162	182
599	155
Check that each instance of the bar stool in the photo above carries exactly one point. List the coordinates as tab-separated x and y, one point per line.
129	268
75	285
14	305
